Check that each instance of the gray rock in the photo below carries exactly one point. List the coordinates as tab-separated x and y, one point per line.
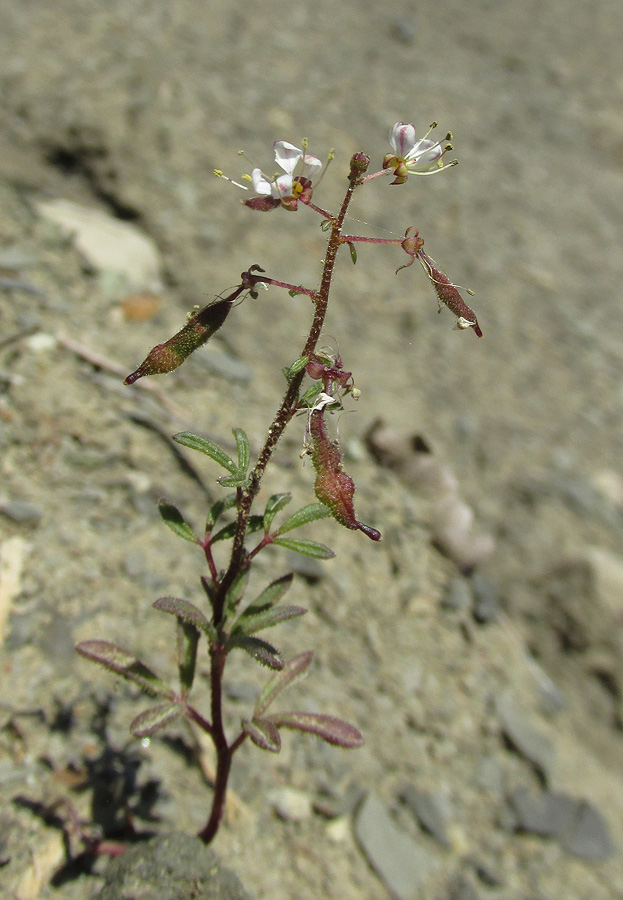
21	512
170	867
431	811
543	813
486	604
589	836
525	738
397	859
579	828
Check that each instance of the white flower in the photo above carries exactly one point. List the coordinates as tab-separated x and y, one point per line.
413	157
299	168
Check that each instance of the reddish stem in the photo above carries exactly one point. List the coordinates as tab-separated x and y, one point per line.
239	557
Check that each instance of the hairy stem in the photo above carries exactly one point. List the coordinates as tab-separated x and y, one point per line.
246	497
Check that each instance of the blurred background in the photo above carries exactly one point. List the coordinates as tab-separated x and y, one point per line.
126	108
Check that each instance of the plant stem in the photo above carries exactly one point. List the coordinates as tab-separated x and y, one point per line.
246	496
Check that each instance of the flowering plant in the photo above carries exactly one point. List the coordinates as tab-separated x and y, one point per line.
316	385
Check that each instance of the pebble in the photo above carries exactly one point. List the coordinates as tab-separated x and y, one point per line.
431	810
486	605
525	738
108	244
398	860
170	866
291	804
22	512
577	825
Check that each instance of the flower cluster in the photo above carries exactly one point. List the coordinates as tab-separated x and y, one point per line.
285	190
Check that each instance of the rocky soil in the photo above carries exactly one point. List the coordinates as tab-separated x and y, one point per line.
490	695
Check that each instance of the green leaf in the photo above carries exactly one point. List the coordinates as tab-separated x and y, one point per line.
260	650
254	524
292	670
155	719
275	504
304	516
176	521
187	640
123	663
238	588
329	728
353	252
250	623
237	480
186	612
244	455
326	224
307	548
203	445
217	509
311	394
297	366
264	734
271	594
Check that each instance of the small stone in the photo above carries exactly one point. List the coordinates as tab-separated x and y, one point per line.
291	804
527	740
108	244
399	861
170	867
431	811
589	836
486	605
546	814
141	306
22	512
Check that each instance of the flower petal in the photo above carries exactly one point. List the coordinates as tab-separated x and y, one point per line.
287	155
402	138
424	155
260	184
282	186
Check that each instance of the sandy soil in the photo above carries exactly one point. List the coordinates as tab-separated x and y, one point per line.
127	107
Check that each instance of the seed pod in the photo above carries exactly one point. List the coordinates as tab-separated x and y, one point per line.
333	486
199	328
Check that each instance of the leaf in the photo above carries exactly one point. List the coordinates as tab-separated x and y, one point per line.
264	734
304	516
176	521
307	548
275	504
353	252
187	612
123	663
155	719
311	394
297	366
217	509
237	480
329	728
292	670
260	650
254	524
187	640
242	443
203	445
271	594
250	623
238	588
